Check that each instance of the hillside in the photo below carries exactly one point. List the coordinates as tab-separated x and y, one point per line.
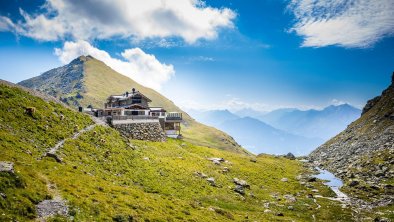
255	135
88	81
363	154
98	175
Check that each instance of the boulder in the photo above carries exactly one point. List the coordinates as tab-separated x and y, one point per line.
284	180
48	208
242	183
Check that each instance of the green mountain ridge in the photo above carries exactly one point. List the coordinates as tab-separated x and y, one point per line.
88	81
99	175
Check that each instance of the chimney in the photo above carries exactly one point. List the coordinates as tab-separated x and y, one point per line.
133	90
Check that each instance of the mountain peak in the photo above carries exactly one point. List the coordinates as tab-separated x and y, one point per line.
82	58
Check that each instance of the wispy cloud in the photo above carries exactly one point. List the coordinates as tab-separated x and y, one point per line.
201	59
136	64
6	24
103	19
346	23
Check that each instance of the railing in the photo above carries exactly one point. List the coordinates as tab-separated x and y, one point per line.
174	116
134	117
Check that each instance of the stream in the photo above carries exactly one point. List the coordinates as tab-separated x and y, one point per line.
334	183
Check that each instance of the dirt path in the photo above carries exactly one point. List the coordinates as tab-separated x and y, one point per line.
56	206
52	151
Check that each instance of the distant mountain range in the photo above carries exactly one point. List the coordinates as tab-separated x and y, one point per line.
282	130
322	124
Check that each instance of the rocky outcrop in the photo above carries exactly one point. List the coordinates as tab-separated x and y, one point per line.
363	141
151	131
371	103
49	208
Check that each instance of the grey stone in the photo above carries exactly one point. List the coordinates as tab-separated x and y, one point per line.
242	183
6	167
48	208
216	160
239	189
199	174
290	198
211	181
353	183
54	156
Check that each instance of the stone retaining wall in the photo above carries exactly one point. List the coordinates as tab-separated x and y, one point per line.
142	131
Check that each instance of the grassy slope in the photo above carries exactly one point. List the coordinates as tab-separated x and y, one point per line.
105	176
101	81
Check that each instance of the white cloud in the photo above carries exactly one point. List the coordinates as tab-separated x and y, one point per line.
337	102
6	24
136	64
346	23
103	19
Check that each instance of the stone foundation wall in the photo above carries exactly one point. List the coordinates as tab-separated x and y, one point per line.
142	131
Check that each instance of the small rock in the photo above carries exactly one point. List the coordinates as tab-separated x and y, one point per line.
239	189
315	190
290	198
216	160
379	173
312	179
253	160
267	211
199	174
3	195
54	156
225	170
284	180
146	158
290	208
381	219
279	214
211	181
353	183
242	183
6	167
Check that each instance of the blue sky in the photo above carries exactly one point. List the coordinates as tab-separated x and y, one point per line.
261	54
